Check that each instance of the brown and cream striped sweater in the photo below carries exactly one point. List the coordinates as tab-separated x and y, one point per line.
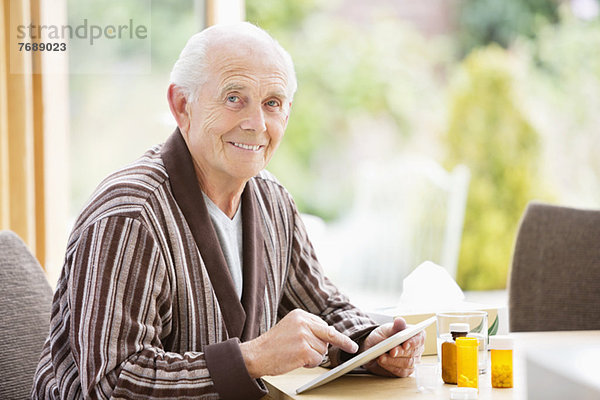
145	306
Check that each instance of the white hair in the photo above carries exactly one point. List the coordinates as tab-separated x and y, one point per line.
188	73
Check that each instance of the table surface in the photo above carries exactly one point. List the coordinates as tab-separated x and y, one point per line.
350	386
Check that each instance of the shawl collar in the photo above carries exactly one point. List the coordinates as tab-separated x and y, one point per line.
241	319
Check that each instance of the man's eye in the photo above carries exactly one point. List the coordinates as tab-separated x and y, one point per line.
272	103
233	99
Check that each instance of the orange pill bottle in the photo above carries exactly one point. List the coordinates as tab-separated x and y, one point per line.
467	371
449	352
501	348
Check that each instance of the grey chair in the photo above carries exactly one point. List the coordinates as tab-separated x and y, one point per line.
25	301
555	276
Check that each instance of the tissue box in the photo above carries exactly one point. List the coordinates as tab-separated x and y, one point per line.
497	320
430	289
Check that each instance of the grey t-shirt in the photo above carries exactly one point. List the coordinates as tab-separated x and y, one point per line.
229	233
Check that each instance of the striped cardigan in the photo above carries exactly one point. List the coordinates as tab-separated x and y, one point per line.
145	306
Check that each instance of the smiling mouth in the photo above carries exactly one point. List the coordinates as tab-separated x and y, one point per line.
251	147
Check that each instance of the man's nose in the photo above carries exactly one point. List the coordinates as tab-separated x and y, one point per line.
254	120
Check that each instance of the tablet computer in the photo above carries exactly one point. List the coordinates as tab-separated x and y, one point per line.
368	355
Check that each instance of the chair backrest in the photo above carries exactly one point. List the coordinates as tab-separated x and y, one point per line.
555	276
25	301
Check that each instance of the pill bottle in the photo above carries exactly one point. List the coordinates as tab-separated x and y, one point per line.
467	371
449	352
501	348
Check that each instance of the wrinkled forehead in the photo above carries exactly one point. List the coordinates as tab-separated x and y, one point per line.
232	53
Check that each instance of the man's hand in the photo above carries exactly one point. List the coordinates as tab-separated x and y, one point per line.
300	339
400	360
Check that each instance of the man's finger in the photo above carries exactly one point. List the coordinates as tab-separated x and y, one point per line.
317	345
399	362
313	359
330	335
388	329
399	324
414	342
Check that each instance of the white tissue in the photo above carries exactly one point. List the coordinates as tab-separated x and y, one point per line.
429	287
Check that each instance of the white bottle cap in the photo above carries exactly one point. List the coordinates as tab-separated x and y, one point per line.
501	343
463	393
459	327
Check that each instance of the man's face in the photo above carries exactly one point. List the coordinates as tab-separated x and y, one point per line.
239	118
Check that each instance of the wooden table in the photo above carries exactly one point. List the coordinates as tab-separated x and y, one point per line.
373	387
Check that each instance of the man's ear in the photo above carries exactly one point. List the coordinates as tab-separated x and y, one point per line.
178	105
287	117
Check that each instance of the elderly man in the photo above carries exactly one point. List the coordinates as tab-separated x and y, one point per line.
189	273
